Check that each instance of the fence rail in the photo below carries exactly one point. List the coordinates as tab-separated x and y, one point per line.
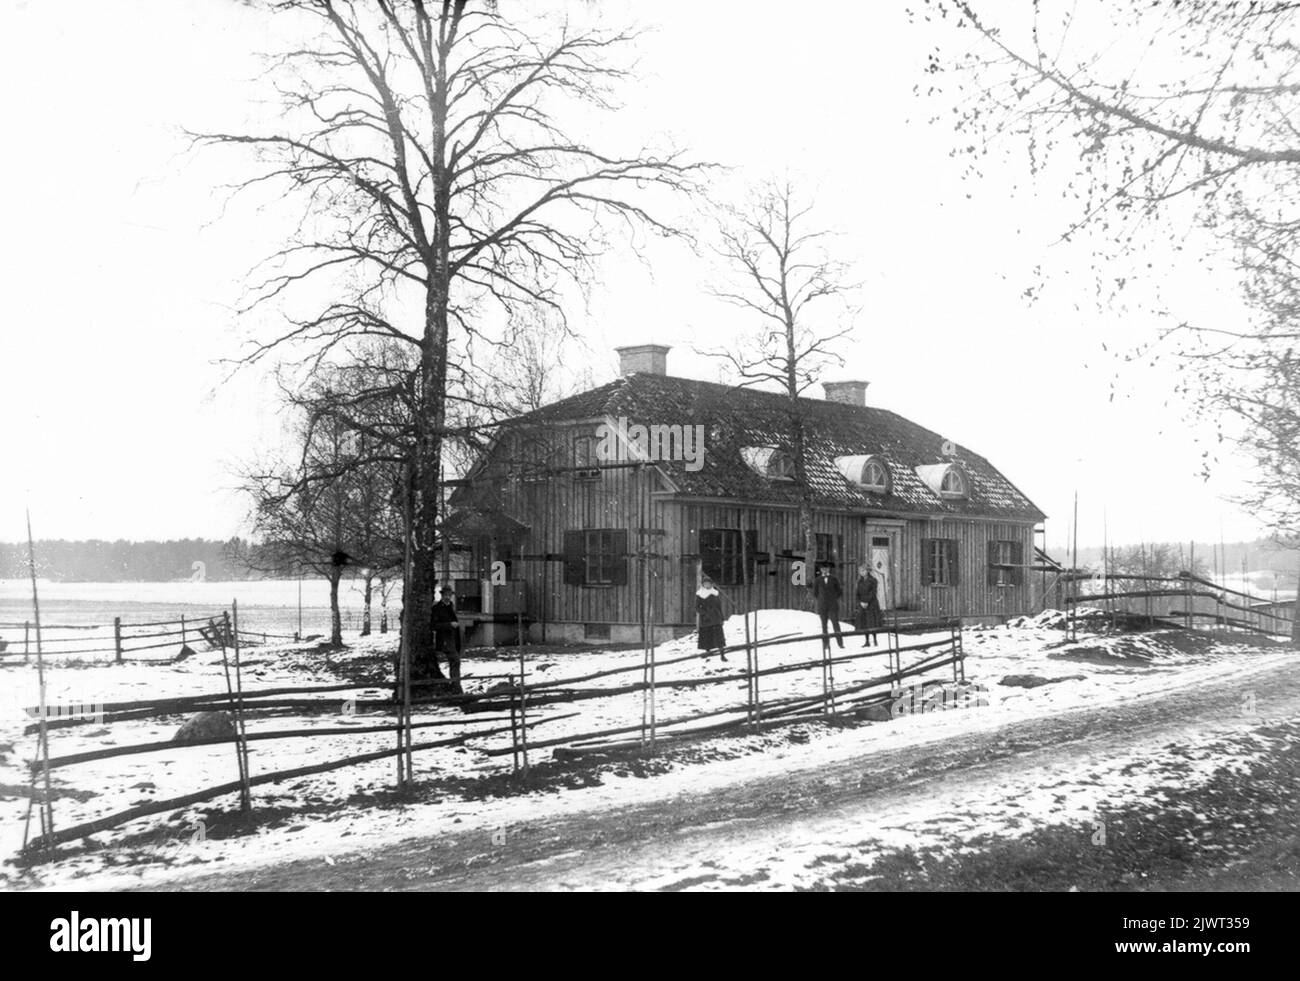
122	638
518	702
1201	600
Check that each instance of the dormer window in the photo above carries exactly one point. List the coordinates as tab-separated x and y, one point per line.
869	473
948	480
953	484
771	462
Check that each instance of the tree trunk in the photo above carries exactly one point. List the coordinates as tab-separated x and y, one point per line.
417	595
365	610
336	622
383	606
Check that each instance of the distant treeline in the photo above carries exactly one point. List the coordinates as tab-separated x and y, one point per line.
123	561
1260	556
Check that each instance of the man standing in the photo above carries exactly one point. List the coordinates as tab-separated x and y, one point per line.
826	595
446	635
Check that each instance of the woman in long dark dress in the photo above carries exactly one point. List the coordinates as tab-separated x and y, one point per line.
870	618
708	606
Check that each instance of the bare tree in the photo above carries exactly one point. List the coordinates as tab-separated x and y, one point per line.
369	398
428	147
777	268
304	516
534	371
1127	565
1175	124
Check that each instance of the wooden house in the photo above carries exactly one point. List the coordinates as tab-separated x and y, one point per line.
593	519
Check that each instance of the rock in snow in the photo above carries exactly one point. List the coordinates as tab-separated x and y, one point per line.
1034	680
206	725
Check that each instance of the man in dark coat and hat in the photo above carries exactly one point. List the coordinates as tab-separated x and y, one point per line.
446	636
826	596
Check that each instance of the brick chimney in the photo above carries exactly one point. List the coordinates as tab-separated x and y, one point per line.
649	359
847	392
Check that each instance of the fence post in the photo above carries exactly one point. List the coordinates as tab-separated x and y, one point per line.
26	639
749	673
183	637
523	713
514	732
117	639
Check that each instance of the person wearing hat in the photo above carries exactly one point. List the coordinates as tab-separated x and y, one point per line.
708	607
826	594
446	636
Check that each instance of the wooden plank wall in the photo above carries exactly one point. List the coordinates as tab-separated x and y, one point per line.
778	531
972	596
563	502
618	499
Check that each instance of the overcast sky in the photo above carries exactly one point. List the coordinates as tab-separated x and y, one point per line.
121	276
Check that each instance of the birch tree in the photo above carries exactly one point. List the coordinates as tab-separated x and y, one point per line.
430	150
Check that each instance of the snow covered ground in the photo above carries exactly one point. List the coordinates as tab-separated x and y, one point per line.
329	814
264	604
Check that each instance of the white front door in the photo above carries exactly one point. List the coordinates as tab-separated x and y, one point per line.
882	566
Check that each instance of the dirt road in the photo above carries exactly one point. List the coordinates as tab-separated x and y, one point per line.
1126	773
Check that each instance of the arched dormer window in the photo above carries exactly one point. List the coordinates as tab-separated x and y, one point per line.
869	473
771	462
949	480
953	483
875	476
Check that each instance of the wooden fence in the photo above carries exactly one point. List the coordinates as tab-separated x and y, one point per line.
1184	602
512	708
125	640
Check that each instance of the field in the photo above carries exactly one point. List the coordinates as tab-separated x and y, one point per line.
269	605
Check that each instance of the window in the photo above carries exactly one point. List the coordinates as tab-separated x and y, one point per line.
868	472
1006	563
781	466
954	483
725	555
595	557
584	457
828	549
938	562
768	461
875	478
534	455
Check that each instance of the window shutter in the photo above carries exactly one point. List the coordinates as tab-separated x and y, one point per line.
927	564
618	574
751	552
711	554
993	563
1018	556
953	567
575	558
